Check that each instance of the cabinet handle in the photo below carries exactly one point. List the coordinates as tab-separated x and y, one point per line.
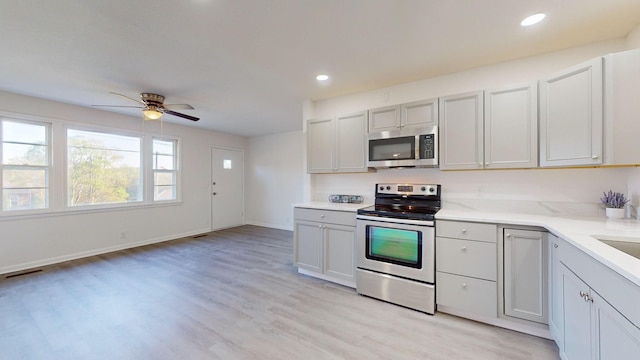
586	296
464	231
464	285
464	249
594	157
555	246
508	235
486	164
322	215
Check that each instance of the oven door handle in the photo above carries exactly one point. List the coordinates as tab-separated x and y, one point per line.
395	221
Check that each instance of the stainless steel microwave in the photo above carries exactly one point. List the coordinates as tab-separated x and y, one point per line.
413	147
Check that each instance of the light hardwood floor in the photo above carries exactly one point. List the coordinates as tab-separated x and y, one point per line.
232	294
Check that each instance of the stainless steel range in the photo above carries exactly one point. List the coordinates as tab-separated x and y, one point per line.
396	245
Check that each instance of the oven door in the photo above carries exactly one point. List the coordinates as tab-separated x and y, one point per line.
399	247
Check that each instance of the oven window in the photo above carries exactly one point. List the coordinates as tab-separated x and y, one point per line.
400	148
396	246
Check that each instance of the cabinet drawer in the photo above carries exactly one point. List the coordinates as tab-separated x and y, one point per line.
325	216
467	294
466	257
467	230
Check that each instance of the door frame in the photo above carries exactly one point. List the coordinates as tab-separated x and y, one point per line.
241	150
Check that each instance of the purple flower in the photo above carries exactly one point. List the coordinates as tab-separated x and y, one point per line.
614	200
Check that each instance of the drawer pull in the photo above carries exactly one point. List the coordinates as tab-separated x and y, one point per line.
464	231
322	215
464	285
464	249
555	246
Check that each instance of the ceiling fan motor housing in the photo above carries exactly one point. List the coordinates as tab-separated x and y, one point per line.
152	99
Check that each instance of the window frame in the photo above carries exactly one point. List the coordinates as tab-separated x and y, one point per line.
177	170
48	168
65	171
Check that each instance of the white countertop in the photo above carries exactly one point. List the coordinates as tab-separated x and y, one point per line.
325	205
577	231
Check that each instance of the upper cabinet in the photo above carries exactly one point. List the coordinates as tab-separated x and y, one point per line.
320	146
338	144
571	121
622	107
511	127
461	131
412	115
494	129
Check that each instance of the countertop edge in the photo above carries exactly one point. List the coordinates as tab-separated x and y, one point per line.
320	205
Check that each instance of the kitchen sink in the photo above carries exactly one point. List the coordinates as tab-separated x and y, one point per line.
628	245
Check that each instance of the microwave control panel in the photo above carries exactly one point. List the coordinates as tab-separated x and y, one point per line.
427	146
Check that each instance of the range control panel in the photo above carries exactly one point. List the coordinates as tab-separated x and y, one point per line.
408	189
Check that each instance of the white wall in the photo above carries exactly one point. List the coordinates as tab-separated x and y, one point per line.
633	39
566	191
274	179
37	240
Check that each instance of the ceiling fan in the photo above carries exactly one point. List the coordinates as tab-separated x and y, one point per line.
153	106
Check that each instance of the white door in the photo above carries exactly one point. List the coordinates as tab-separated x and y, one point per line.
227	188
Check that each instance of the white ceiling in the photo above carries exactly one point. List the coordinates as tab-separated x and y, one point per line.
247	65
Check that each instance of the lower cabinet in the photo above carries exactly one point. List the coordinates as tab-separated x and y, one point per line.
588	326
466	269
525	275
324	244
555	292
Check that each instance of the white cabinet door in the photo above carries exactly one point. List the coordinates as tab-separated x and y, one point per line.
339	251
337	145
525	274
621	107
556	326
419	114
571	126
308	245
351	143
617	337
511	127
320	146
577	317
461	131
384	119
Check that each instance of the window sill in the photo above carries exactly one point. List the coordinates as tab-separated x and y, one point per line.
8	216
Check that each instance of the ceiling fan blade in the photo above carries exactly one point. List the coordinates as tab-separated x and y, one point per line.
130	98
122	106
178	106
189	117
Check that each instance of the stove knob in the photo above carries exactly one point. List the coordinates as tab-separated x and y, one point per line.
423	188
381	188
432	189
388	187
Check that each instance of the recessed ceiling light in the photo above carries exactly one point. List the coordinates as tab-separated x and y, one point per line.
322	77
533	19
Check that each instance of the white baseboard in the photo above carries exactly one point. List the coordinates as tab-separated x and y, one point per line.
83	254
531	330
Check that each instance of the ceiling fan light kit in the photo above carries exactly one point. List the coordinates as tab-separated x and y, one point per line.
151	113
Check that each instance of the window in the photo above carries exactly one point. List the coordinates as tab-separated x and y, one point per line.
25	165
165	170
103	168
